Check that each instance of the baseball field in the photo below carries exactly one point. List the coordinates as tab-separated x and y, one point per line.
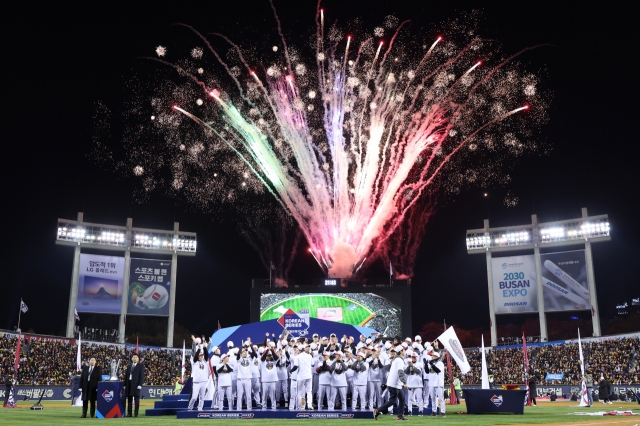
549	413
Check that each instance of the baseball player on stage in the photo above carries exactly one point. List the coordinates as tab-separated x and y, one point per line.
200	372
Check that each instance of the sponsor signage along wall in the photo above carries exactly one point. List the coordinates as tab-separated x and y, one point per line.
514	284
59	393
100	284
564	280
149	287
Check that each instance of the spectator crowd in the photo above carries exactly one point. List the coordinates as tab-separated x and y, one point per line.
616	359
49	363
52	363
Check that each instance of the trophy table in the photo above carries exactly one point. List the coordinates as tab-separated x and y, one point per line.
111	395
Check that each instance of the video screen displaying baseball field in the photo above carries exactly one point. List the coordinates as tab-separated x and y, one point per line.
383	313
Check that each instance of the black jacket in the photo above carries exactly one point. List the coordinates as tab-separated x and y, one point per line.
89	384
137	379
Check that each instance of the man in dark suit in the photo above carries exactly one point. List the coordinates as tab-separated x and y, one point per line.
91	375
133	380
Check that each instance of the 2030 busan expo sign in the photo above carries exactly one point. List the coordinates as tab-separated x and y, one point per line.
514	284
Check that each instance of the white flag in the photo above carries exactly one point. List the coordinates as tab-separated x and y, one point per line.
451	343
77	316
184	366
23	306
485	375
78	357
584	398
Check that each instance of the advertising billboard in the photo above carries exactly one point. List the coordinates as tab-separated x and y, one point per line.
149	287
564	280
514	284
100	284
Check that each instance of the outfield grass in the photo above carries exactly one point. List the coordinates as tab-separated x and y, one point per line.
353	317
60	413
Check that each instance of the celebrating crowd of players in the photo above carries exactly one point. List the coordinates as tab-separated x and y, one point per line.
320	373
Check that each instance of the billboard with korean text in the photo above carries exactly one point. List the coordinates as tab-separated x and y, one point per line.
100	284
149	287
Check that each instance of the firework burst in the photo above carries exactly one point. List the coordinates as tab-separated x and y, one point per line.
353	145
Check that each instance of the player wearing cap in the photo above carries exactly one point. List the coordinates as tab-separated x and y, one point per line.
338	382
439	388
269	376
359	367
244	361
396	381
349	359
305	365
224	382
362	342
414	382
212	391
316	355
200	373
375	378
323	369
255	377
282	385
232	351
293	375
431	370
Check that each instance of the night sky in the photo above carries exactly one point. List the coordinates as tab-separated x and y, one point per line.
59	61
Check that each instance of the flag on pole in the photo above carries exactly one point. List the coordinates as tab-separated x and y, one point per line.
390	269
136	344
77	316
453	399
584	398
450	341
16	363
78	356
273	267
527	399
11	400
184	365
23	306
484	375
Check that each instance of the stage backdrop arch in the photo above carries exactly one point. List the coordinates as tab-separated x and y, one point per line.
257	330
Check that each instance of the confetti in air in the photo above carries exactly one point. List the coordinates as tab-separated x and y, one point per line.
354	140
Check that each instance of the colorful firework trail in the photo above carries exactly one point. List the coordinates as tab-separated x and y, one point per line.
350	148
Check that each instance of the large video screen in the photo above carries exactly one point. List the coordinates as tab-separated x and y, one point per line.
385	310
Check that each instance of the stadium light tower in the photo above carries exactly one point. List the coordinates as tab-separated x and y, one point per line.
127	239
537	236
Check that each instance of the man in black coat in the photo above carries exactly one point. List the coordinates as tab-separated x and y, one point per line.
133	380
7	386
604	390
91	375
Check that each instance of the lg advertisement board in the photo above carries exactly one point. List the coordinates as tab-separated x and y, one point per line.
100	284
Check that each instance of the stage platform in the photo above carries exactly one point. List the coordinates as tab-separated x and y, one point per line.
176	405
